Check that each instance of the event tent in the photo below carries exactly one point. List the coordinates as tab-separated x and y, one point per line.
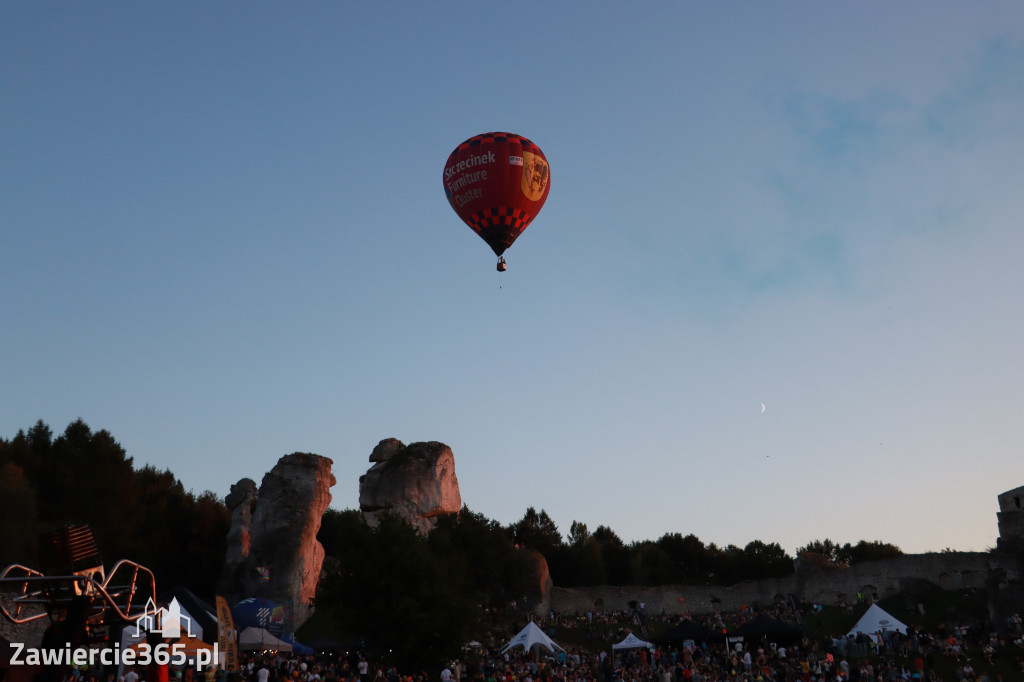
874	620
171	613
190	646
772	629
531	636
297	647
323	643
685	631
201	623
632	642
257	638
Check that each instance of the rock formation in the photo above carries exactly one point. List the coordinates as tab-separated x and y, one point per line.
242	503
538	583
1011	519
416	482
272	547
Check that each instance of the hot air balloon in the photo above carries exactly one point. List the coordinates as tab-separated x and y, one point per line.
497	183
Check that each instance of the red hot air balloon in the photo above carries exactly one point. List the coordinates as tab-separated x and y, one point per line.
497	183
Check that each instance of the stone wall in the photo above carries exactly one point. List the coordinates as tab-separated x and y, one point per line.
1011	519
999	572
883	578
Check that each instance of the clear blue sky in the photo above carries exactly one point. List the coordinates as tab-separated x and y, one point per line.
224	239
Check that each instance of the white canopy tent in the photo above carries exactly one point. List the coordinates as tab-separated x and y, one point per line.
531	636
253	638
173	617
632	642
876	620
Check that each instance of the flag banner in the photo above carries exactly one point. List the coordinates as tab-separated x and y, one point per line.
226	634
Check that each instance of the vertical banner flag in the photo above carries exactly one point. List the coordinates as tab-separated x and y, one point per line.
226	634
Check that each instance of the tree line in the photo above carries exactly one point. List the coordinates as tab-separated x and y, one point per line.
144	514
388	585
602	558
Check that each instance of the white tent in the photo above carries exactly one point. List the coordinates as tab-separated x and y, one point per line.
257	638
875	620
632	642
530	636
171	620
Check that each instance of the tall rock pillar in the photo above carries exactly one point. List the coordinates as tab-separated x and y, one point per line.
272	547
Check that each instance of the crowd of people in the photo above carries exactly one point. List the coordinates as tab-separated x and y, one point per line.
970	651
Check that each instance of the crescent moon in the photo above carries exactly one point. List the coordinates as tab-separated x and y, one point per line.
763	408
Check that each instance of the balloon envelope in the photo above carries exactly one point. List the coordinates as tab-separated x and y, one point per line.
259	613
497	182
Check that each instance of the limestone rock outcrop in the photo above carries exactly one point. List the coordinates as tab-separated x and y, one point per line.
242	503
272	547
538	583
416	482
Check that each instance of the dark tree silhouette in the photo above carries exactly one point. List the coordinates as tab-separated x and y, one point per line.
144	515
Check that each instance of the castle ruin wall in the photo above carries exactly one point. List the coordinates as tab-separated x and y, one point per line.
877	579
